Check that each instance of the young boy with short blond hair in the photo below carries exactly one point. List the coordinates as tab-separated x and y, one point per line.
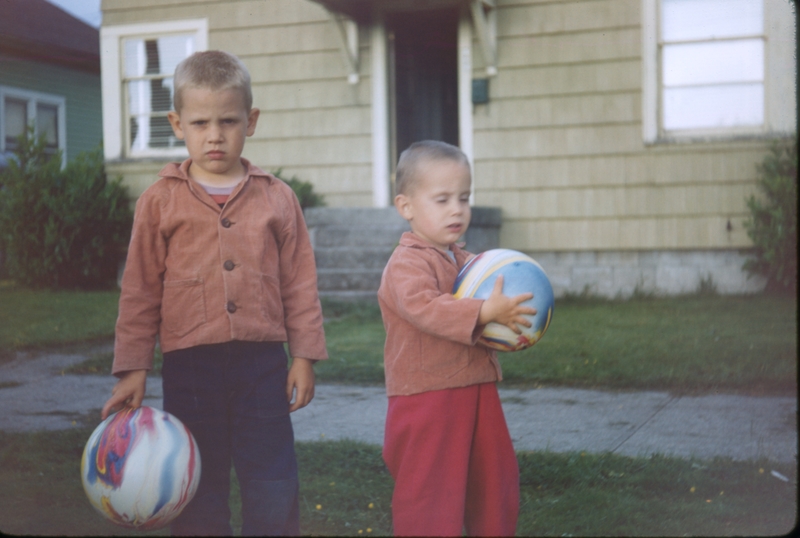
446	442
220	269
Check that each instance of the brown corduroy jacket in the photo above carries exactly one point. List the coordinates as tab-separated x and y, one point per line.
197	274
430	335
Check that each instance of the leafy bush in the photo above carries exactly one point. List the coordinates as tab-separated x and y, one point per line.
773	218
61	229
303	190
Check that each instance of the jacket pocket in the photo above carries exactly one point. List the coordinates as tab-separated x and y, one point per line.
443	365
183	308
271	302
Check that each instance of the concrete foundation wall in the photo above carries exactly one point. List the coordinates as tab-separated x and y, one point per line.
352	246
622	274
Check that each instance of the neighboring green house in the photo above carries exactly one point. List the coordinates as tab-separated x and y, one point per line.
49	76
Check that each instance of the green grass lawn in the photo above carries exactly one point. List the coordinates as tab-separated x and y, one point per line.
39	318
687	344
346	491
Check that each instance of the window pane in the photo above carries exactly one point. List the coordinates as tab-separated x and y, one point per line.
152	132
172	50
157	56
139	97
16	120
47	123
135	60
707	19
714	62
145	96
714	106
149	100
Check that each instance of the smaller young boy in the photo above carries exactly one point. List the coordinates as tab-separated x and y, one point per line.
446	442
220	269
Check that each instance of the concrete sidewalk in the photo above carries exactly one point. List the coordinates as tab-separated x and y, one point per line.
563	420
36	395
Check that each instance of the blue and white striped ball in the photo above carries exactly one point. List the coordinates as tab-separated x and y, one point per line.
521	274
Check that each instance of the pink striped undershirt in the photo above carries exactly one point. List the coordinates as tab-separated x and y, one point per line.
218	194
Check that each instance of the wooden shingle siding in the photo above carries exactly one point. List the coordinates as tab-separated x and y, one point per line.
559	147
559	81
729	165
614	234
339	150
313	124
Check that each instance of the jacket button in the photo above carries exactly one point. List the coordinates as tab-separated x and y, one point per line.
228	265
230	307
226	223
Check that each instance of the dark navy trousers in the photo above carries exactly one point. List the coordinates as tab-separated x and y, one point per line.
232	396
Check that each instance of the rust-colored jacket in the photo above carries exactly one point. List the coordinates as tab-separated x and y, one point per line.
197	274
430	335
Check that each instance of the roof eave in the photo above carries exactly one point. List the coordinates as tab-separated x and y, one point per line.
364	11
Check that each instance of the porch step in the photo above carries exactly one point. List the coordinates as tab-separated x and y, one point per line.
352	245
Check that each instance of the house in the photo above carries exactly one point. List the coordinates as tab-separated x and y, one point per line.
619	138
49	77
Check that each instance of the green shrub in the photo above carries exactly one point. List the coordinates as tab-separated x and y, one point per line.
61	229
303	190
772	224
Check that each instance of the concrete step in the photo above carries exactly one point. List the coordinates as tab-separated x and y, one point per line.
352	245
360	227
372	236
352	257
356	217
370	296
349	279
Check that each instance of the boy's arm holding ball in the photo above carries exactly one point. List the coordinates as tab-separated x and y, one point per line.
129	391
505	310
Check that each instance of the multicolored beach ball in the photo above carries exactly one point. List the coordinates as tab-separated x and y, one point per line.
521	274
140	468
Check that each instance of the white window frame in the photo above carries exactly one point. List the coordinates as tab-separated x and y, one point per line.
779	79
34	98
111	68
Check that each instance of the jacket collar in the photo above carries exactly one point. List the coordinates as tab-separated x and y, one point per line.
412	240
181	170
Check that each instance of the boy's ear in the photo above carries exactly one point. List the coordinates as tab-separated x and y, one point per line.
175	121
403	205
252	120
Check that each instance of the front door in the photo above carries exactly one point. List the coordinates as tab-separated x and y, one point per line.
423	51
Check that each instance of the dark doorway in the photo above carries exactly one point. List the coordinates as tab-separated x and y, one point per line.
424	71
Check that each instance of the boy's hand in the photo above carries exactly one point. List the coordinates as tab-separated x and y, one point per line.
129	391
505	310
300	383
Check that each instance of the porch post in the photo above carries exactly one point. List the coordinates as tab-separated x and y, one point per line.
380	117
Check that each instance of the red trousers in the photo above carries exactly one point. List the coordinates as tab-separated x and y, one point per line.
453	463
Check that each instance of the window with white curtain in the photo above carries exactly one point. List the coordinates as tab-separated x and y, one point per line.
149	64
137	66
716	68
